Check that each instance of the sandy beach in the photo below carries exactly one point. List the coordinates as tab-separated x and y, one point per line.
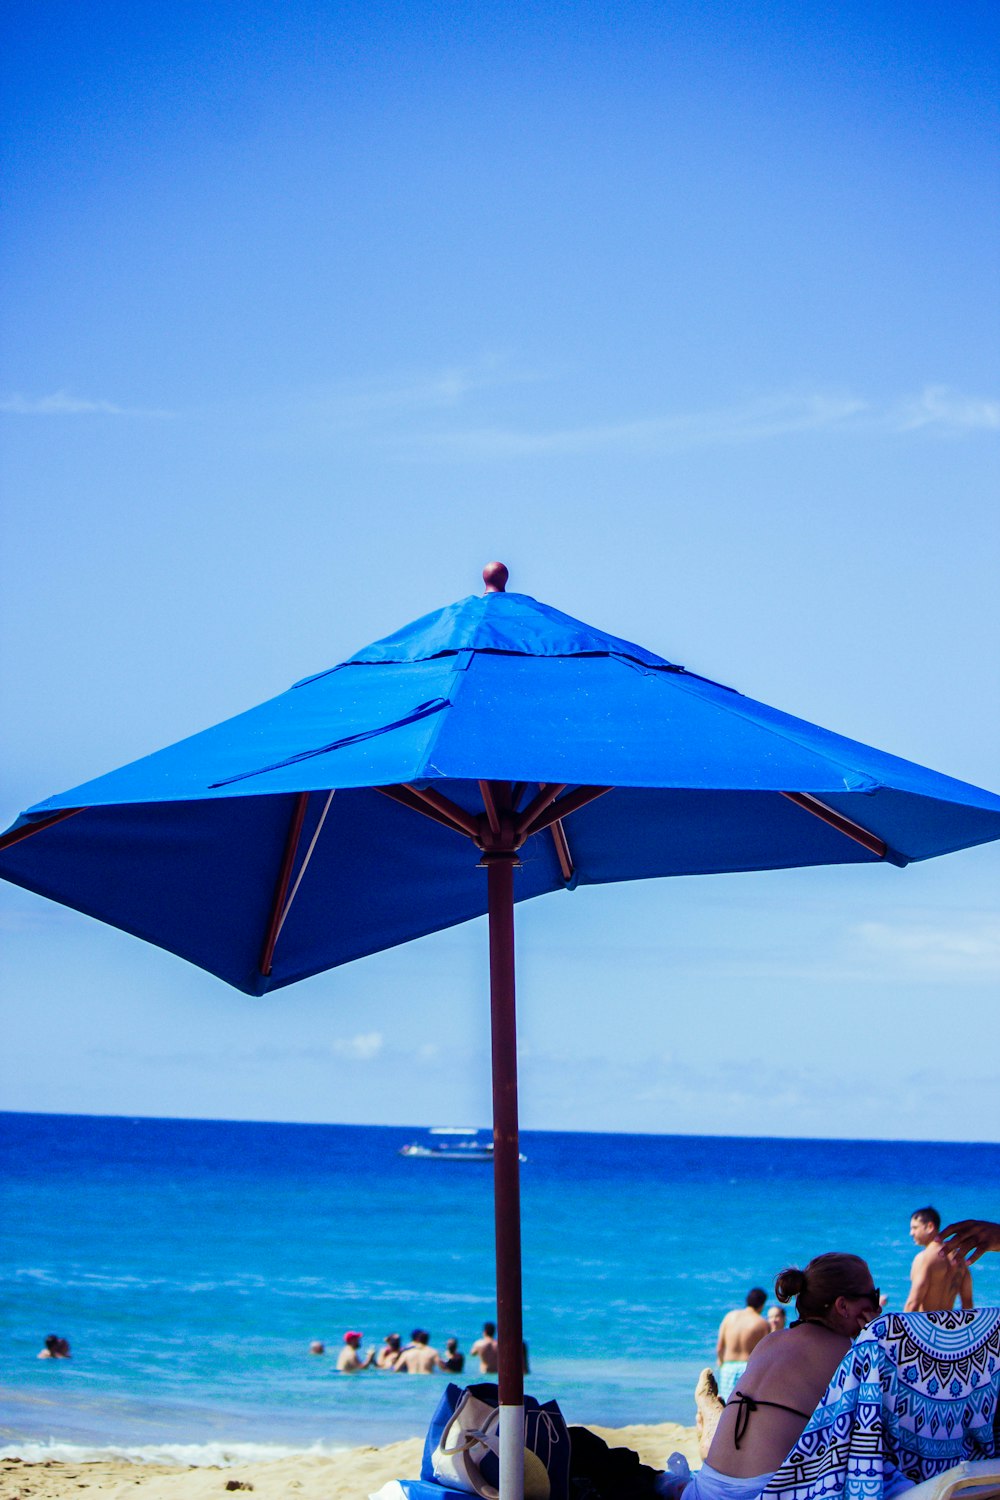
351	1475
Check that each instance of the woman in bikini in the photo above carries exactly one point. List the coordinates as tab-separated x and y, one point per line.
786	1377
784	1381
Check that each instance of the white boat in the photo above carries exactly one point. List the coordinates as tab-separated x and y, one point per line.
453	1143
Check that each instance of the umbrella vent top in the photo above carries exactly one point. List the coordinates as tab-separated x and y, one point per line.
511	624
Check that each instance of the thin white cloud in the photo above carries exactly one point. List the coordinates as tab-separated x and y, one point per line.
62	404
361	1048
765	418
248	1059
935	409
708	1096
948	411
399	408
968	949
360	403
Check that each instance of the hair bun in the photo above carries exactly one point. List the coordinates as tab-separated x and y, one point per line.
790	1284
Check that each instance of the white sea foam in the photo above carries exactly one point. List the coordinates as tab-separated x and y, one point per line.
196	1455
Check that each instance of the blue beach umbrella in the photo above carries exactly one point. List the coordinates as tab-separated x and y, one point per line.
489	752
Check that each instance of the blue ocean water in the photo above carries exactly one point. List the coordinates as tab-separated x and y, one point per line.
191	1262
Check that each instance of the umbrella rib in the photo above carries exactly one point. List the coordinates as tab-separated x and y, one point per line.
489	803
407	797
17	835
305	863
561	809
846	826
547	794
562	849
464	821
284	876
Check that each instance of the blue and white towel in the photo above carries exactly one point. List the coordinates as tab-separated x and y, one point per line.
916	1393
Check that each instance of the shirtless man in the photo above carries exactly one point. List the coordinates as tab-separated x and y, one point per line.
486	1349
418	1358
739	1334
349	1361
935	1278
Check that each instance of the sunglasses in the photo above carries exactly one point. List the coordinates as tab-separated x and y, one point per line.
871	1296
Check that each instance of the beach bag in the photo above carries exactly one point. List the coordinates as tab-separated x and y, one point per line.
463	1445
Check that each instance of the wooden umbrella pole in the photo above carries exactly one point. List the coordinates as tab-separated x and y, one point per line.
506	1173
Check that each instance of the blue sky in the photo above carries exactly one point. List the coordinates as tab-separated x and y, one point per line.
689	313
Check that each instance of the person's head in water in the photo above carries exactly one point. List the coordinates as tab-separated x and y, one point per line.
924	1225
756	1297
834	1289
777	1318
420	1336
451	1346
490	1330
317	1347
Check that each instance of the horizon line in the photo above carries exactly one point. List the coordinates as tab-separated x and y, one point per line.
525	1130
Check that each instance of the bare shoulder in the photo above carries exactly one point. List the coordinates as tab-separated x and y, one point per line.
776	1343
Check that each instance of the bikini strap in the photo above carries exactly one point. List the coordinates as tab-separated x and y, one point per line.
749	1404
745	1405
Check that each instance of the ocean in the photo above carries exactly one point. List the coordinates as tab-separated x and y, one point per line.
190	1263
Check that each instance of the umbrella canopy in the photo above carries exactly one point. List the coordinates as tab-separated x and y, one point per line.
185	847
358	810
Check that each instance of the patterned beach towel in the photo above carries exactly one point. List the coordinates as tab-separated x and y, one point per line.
916	1393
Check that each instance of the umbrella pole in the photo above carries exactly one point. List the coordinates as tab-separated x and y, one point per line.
506	1173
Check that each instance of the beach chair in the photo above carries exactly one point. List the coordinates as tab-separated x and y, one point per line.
971	1481
916	1395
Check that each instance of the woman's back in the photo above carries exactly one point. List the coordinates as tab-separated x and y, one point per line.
787	1375
789	1371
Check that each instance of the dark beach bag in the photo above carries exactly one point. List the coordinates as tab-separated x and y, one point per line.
461	1448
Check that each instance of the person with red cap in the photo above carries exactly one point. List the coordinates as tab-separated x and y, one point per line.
349	1361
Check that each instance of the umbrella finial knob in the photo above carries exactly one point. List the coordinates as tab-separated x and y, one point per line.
495	577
